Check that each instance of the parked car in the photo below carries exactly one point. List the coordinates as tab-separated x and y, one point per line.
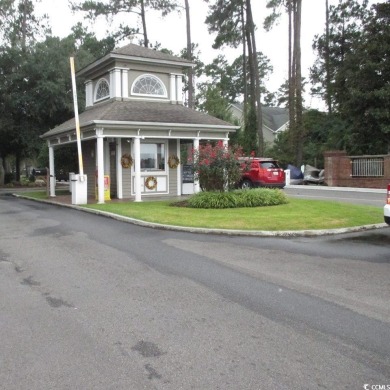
386	209
296	175
39	172
62	175
261	172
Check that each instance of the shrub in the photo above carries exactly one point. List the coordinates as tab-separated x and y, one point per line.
9	177
216	166
240	198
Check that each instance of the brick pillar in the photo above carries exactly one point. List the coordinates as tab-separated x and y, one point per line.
333	165
386	170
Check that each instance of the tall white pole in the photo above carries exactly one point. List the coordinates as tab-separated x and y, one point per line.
100	163
137	169
52	175
76	117
196	179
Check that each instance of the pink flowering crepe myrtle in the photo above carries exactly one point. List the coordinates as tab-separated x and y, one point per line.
216	166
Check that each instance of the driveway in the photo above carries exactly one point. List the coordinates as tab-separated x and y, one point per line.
92	303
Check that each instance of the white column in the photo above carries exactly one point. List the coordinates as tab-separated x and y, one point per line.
178	169
125	83
100	161
172	88
179	89
52	177
196	181
225	143
112	84
137	169
115	83
106	157
119	170
88	93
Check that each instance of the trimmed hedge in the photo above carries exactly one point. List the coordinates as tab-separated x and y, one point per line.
240	198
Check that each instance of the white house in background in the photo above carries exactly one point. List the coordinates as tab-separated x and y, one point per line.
135	125
275	120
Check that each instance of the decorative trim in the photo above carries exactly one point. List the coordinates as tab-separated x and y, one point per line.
155	78
100	82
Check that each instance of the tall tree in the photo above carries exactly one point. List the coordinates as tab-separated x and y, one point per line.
20	28
34	78
295	101
230	77
367	84
344	26
191	89
234	25
328	93
113	8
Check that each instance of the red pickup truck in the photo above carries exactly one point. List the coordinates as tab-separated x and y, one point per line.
261	172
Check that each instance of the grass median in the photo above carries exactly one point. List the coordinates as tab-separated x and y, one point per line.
298	214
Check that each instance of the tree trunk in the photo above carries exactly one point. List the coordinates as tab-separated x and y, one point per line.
1	172
244	65
327	63
143	17
257	97
291	75
251	124
189	57
298	83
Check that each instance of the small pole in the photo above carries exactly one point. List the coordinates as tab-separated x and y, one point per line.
76	116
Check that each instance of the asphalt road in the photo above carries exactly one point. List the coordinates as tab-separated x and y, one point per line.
369	197
87	302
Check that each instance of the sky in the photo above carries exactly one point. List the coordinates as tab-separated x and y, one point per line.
171	33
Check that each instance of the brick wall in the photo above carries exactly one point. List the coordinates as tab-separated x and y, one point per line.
338	172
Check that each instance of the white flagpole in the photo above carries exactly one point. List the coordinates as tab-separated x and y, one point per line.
76	117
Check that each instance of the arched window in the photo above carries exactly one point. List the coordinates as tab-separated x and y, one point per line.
102	90
148	85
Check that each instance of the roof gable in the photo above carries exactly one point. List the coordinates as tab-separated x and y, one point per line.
273	117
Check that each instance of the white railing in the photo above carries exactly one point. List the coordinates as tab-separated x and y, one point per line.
367	167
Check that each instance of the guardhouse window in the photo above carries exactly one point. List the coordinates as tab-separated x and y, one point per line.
149	85
102	90
153	156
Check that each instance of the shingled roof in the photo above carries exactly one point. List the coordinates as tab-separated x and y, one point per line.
143	52
273	117
136	53
138	112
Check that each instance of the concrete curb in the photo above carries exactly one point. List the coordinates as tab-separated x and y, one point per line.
228	232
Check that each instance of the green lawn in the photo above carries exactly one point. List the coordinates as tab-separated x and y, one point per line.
296	215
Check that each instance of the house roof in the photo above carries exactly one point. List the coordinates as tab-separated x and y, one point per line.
143	52
137	53
273	117
138	113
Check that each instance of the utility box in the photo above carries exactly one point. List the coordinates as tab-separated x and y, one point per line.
71	177
79	189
